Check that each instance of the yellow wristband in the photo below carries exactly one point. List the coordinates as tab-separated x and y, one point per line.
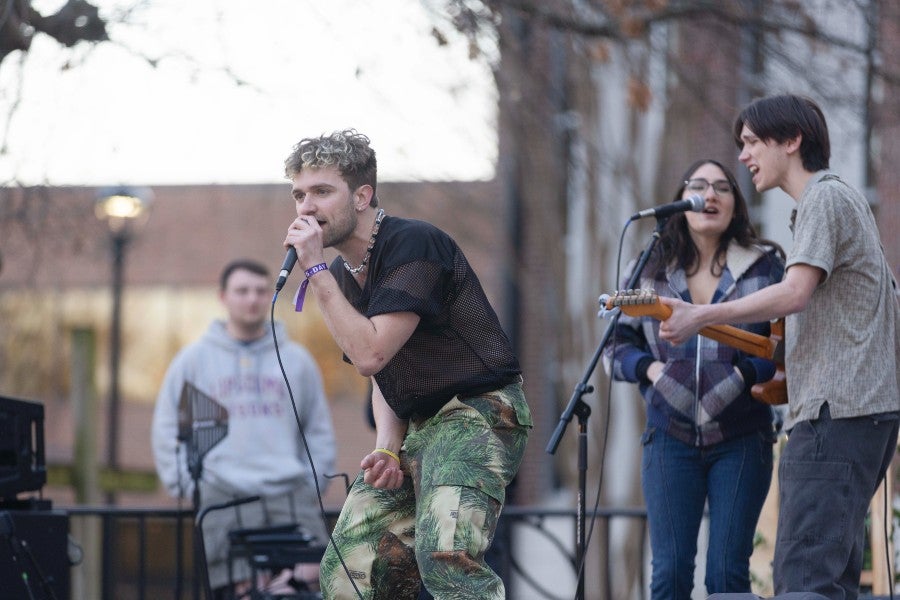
388	452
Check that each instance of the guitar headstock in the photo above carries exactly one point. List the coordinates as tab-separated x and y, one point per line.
638	303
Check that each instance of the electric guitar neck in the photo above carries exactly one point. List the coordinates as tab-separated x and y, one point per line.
645	303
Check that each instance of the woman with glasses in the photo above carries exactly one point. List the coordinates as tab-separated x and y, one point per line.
706	440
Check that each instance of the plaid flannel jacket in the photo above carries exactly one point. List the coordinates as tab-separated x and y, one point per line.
700	399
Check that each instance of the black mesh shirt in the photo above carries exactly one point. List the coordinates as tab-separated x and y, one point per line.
458	346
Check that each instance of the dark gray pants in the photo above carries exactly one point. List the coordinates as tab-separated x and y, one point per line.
828	473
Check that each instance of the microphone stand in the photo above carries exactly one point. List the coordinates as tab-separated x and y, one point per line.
580	408
195	468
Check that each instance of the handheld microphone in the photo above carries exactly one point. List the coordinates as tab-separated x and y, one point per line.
695	203
290	259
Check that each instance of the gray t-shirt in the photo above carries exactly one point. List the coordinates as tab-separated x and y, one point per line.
843	348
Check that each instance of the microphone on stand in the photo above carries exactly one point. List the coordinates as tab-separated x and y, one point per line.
695	203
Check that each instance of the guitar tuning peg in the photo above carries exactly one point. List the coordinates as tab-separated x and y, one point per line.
605	300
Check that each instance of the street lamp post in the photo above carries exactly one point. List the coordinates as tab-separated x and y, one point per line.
123	208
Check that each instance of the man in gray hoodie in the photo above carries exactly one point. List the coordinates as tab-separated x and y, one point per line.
262	454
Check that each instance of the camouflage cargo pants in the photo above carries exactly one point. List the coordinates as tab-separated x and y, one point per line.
441	521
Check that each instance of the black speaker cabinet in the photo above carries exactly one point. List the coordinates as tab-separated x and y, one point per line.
46	536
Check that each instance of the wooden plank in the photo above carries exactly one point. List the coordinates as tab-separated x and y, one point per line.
881	548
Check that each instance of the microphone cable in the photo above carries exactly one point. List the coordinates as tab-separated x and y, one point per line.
306	449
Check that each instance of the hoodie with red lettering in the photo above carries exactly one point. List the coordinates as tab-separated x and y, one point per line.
262	453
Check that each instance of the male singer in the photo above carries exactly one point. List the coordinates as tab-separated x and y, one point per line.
451	420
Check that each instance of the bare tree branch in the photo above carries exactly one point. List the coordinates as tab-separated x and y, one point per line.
77	21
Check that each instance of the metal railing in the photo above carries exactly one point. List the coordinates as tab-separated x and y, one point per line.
514	565
138	554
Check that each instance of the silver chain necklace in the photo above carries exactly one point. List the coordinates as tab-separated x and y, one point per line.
365	260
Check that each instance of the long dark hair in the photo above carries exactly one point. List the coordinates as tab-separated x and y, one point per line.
676	245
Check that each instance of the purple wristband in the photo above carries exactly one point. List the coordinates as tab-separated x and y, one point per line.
313	270
301	291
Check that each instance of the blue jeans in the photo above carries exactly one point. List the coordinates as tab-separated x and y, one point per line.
678	480
828	473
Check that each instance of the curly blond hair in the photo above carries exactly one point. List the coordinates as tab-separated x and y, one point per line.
348	150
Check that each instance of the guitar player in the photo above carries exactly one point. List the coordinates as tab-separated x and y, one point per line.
841	306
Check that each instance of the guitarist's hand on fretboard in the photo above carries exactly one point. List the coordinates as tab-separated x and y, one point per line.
682	324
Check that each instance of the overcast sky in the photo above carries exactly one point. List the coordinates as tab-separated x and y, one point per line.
311	67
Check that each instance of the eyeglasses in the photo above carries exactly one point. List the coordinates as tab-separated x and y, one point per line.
699	186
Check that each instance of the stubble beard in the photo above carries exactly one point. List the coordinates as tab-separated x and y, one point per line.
341	230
